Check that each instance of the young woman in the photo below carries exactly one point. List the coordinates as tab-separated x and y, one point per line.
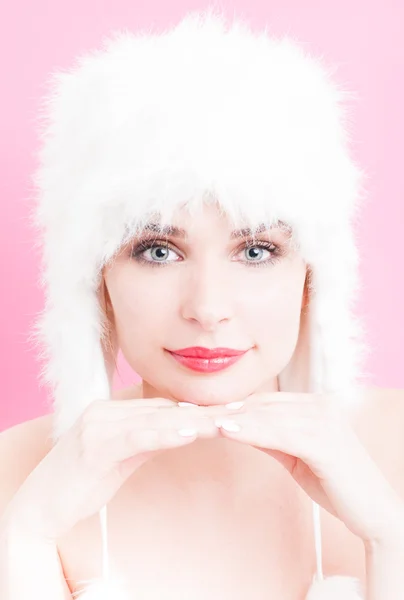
196	198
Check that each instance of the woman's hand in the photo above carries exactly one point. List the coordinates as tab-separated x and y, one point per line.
309	436
92	460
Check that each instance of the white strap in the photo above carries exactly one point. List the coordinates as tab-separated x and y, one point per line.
317	540
104	539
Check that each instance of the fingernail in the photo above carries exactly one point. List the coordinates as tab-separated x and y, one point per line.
187	432
228	425
235	404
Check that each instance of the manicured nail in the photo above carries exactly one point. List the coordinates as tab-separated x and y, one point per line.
235	404
228	425
187	432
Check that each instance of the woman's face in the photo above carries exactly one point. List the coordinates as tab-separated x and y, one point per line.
208	289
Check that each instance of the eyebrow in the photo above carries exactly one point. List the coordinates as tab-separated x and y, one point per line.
177	232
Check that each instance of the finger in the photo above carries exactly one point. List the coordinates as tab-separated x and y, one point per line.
259	429
162	429
110	410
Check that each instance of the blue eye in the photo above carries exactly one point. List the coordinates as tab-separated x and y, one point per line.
163	248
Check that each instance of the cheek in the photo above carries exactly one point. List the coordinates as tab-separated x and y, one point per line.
140	310
274	317
142	313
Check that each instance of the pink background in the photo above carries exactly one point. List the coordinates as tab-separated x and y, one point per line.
363	38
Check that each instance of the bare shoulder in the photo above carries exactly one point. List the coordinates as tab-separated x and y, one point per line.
379	426
22	447
28	439
381	414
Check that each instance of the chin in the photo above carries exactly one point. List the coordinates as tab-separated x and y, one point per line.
211	396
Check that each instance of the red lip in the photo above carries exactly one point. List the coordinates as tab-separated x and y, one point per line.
207	364
207	353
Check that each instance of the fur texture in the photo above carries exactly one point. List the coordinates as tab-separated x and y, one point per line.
201	112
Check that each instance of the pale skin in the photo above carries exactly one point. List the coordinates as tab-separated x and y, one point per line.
217	512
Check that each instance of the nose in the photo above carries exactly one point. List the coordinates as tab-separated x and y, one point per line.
208	296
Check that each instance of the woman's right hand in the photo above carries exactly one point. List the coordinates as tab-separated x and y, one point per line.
91	461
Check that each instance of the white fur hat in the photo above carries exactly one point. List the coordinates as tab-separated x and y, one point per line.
202	111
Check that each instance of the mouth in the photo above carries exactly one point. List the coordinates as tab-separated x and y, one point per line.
201	352
205	360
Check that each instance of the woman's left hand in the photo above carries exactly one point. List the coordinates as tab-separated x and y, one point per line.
309	436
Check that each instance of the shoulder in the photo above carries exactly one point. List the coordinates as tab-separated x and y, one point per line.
22	447
28	436
381	414
379	425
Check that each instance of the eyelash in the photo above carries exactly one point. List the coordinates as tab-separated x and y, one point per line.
142	246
